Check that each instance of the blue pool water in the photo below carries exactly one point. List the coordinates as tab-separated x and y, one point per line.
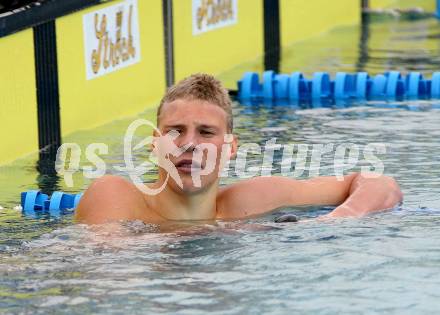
387	263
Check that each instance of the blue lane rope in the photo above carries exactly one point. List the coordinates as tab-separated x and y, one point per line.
34	201
296	87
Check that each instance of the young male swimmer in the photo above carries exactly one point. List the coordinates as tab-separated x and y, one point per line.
197	112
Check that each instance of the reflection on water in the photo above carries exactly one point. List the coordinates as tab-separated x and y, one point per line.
382	263
375	47
386	263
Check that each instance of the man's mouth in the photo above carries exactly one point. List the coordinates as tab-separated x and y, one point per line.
188	166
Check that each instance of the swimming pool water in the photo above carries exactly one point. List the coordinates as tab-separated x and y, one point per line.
386	263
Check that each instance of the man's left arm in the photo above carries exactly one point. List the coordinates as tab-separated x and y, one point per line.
355	195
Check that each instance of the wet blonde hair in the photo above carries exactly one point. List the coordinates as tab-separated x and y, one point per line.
200	86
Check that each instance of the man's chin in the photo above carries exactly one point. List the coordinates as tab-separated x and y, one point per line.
188	188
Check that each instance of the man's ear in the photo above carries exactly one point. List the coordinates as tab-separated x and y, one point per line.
234	147
155	136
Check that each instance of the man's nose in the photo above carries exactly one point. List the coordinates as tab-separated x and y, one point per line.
187	141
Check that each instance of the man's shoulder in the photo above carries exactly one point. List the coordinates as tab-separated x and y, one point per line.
111	198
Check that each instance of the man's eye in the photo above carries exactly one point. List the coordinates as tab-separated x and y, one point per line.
173	132
207	132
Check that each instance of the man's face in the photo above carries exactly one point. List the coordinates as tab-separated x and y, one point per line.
196	125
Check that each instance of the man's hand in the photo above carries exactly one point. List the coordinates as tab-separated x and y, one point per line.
369	195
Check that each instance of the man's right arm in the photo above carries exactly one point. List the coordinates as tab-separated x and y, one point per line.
109	199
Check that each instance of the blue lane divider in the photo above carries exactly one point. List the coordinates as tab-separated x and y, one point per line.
298	87
321	85
33	201
295	87
435	85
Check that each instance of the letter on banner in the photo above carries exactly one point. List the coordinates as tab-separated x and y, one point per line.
208	15
111	38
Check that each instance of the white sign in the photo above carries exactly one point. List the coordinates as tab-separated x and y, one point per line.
111	38
208	15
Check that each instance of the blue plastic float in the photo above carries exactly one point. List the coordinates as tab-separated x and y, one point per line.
33	201
296	87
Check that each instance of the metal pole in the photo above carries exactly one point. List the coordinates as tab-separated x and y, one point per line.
167	6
